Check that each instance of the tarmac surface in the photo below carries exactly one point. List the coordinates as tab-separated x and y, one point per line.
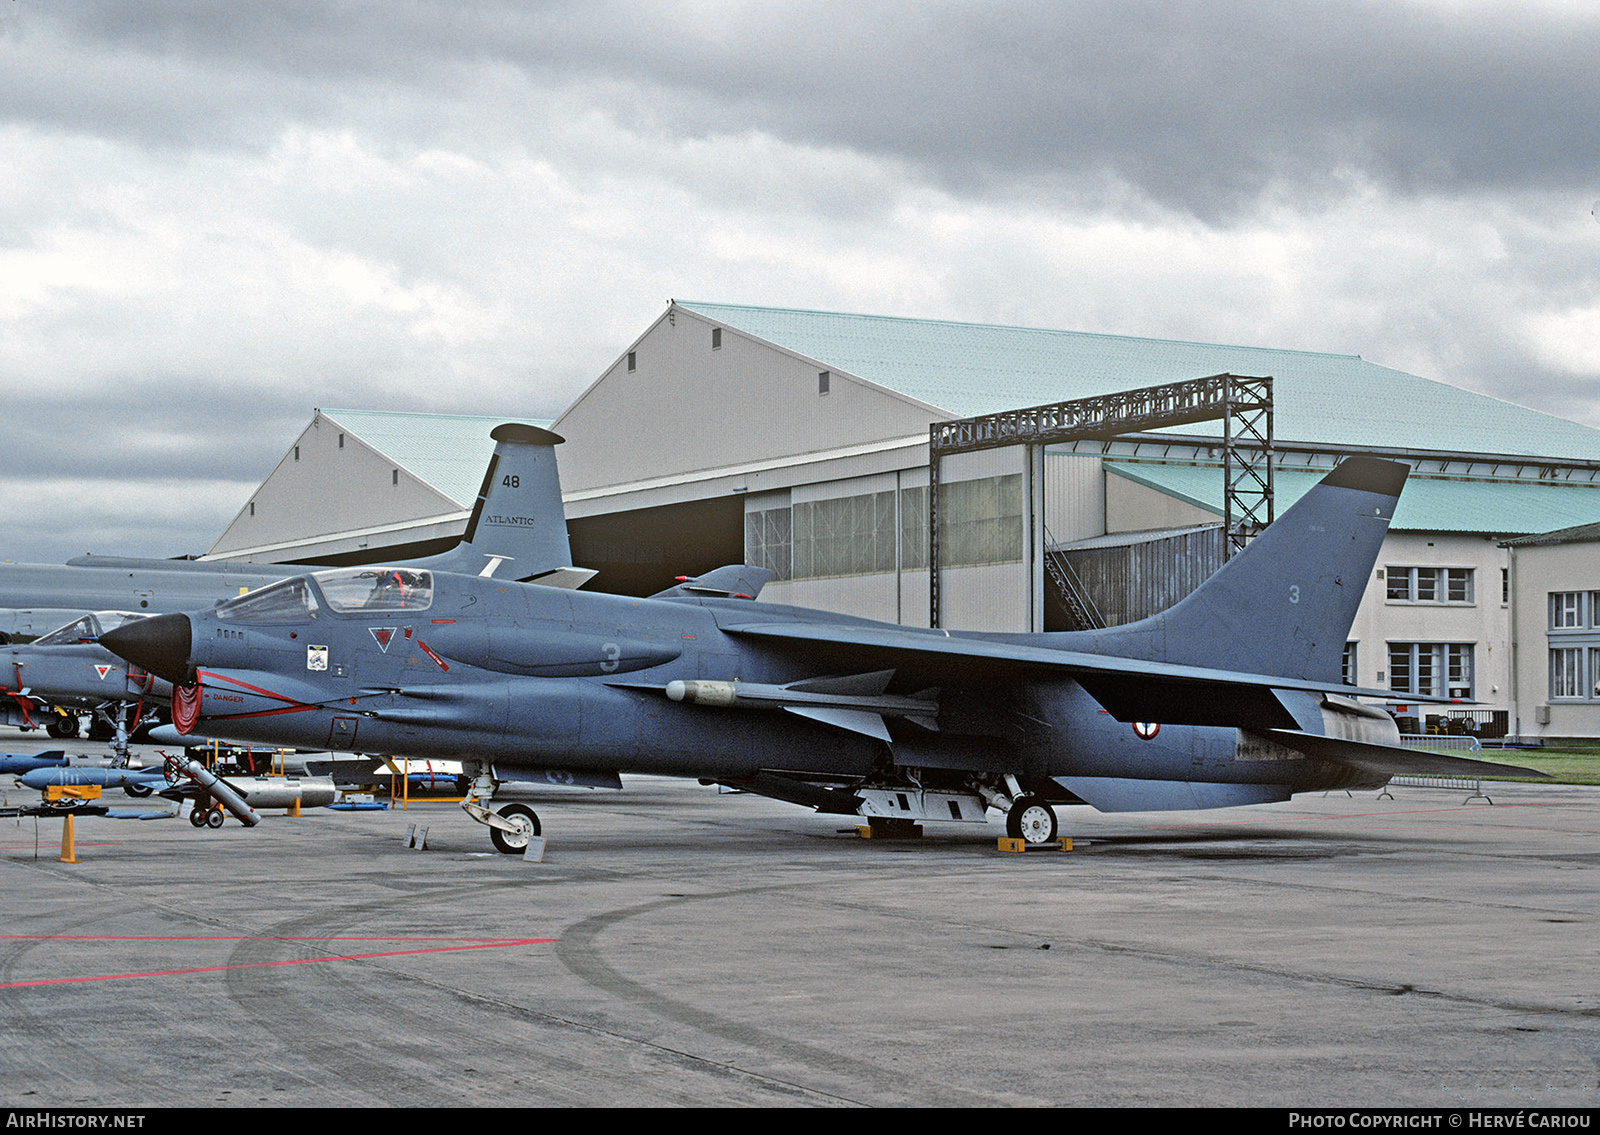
679	946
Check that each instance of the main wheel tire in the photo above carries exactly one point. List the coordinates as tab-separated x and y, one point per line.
62	727
137	789
515	842
214	818
197	817
1031	820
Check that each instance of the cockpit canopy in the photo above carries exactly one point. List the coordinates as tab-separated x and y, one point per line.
347	591
88	628
370	590
287	601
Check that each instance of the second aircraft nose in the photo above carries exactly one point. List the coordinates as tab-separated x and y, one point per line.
160	644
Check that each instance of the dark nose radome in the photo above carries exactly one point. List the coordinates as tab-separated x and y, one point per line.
160	644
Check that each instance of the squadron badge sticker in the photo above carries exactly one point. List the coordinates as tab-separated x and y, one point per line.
316	657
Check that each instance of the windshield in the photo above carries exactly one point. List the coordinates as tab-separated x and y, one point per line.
289	601
88	628
364	590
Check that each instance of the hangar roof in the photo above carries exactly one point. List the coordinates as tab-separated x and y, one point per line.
969	368
1428	504
446	451
1579	534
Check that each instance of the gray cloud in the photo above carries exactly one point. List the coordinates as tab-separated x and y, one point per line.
216	217
1203	107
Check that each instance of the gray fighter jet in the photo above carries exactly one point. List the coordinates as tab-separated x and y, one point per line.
516	531
1231	697
54	678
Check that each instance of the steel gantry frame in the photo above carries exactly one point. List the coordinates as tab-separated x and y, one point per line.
1242	402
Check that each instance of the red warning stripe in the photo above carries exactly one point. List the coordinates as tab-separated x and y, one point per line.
472	944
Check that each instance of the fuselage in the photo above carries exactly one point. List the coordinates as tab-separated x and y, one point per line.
471	669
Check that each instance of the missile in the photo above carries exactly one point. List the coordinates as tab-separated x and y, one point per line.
141	780
855	702
22	762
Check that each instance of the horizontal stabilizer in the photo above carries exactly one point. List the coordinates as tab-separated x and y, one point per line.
566	578
1393	760
736	581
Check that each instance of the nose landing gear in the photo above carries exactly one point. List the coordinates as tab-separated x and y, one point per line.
511	826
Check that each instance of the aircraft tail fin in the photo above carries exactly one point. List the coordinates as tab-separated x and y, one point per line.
518	528
1285	604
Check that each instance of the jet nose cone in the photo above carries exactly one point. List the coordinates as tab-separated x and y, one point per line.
160	644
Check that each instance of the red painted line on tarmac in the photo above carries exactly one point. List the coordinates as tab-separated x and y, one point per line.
473	944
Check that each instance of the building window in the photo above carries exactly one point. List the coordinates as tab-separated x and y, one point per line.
914	528
1573	632
716	338
341	441
633	360
1435	669
1505	585
394	476
252	508
1566	672
1429	585
766	540
297	453
844	536
823	380
1347	667
1566	610
981	521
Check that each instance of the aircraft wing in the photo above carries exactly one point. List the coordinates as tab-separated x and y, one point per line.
1130	689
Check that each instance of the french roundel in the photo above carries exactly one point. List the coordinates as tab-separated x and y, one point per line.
1146	730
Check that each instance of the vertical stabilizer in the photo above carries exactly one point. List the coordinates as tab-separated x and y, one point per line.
1285	604
518	528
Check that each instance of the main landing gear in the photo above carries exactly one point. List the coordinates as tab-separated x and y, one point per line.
511	826
1032	820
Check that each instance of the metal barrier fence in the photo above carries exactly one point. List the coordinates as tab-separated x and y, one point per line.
1441	744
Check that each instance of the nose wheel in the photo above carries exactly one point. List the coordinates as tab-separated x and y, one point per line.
1031	820
522	825
510	826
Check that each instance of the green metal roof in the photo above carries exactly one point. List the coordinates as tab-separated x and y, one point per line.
967	369
447	451
1427	504
1579	534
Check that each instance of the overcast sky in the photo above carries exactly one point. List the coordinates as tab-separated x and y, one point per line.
215	217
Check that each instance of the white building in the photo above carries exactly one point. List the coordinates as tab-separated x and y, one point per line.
1555	586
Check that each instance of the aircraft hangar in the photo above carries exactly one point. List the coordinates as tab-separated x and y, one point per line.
799	441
